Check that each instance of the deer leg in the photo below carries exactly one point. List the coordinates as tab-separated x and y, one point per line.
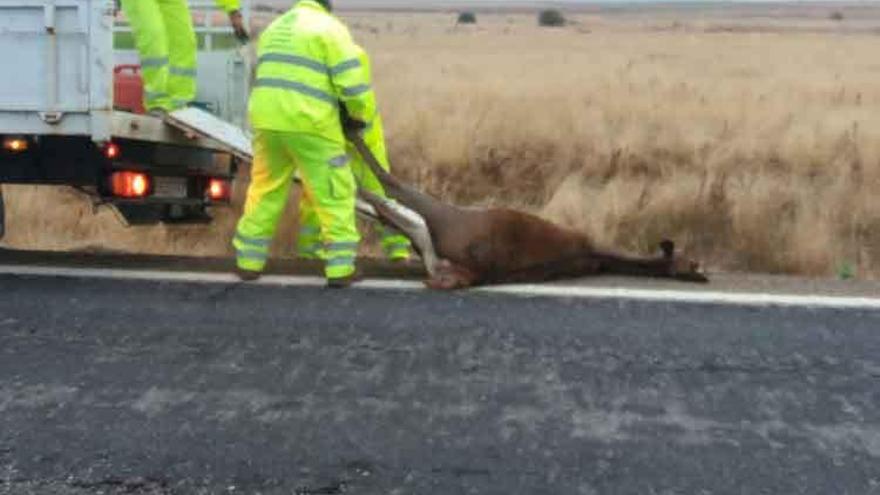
404	219
633	265
366	210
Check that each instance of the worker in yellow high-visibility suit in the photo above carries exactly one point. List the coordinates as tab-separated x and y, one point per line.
166	42
309	72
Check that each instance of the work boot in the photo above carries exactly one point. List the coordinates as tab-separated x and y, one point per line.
344	282
246	275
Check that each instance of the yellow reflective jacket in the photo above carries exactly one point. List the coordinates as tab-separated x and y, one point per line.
307	66
228	5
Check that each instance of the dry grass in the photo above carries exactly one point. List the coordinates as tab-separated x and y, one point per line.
759	149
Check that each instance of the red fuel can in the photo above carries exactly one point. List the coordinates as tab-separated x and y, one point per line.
128	88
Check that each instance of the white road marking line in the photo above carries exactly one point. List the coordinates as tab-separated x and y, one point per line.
525	290
708	297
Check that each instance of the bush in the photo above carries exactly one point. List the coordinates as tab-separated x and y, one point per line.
551	18
467	18
836	16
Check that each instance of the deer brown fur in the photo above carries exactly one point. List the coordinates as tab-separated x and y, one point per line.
477	246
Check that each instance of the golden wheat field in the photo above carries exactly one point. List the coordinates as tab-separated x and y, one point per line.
755	146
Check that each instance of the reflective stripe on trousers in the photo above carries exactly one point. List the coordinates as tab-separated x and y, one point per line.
339	258
308	238
394	244
332	189
251	253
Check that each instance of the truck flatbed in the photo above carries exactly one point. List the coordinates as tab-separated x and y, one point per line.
59	124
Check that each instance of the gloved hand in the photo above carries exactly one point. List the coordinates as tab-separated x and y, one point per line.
237	21
350	125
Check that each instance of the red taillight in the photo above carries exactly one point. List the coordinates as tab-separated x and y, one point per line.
129	184
111	151
218	190
15	144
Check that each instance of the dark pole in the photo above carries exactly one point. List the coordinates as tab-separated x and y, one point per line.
2	214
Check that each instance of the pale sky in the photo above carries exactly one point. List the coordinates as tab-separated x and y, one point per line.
514	2
440	3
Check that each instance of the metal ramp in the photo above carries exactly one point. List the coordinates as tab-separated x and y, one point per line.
201	123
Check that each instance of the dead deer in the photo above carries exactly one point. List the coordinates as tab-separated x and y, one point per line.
466	246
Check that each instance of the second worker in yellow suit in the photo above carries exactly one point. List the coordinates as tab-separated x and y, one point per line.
308	66
395	246
166	43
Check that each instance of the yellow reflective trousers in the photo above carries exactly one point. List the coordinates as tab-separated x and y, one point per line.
327	179
166	42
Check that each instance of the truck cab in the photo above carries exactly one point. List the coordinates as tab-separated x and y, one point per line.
60	123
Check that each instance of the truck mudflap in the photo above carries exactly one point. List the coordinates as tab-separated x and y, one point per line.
170	213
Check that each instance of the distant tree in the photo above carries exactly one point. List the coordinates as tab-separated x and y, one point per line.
551	18
467	18
836	16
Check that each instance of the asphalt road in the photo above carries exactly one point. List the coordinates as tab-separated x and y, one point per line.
122	386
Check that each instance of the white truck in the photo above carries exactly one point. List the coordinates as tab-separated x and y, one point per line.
58	124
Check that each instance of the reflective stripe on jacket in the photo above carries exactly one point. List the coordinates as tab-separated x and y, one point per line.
308	64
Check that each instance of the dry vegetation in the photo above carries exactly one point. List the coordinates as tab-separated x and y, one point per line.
757	146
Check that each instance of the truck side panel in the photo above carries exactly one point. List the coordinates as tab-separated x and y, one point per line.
59	56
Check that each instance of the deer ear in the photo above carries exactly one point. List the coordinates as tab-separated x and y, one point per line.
668	248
